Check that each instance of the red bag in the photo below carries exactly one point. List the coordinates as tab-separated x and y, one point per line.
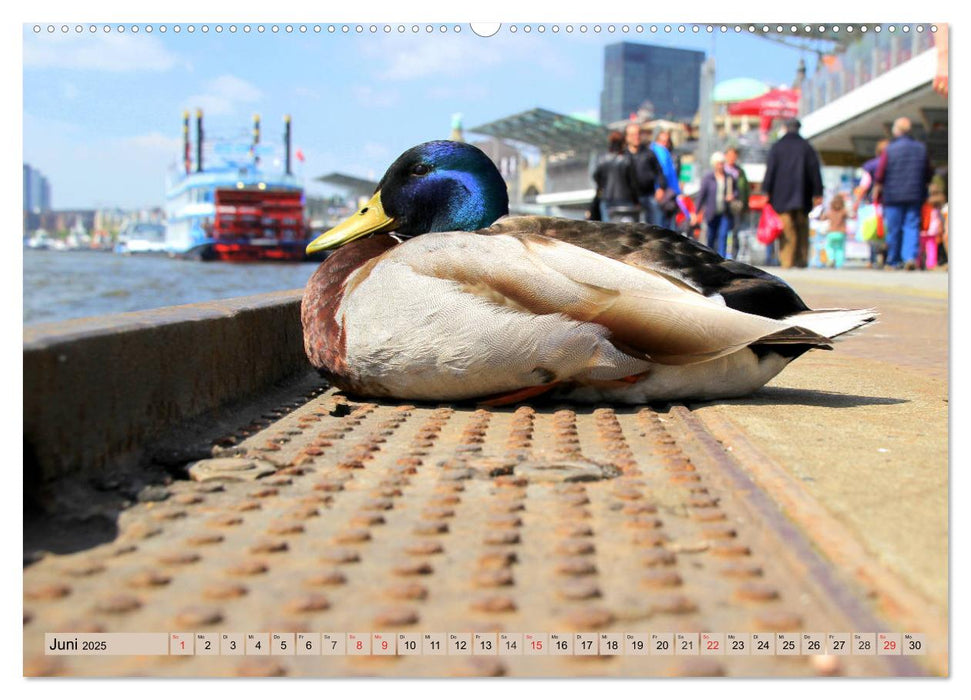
770	225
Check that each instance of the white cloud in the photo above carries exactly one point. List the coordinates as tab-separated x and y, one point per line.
306	93
465	56
469	91
442	56
70	91
152	143
115	53
223	95
375	151
371	97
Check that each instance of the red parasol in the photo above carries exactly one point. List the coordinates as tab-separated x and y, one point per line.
779	103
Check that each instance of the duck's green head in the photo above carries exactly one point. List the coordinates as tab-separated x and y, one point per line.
436	186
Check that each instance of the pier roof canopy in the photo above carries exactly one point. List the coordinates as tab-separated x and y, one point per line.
548	131
351	183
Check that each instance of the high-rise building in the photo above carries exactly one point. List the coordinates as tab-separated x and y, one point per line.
45	194
37	191
28	200
635	74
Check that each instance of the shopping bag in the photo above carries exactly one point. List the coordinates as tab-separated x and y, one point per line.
770	226
871	223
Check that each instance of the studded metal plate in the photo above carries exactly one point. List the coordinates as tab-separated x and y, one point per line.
331	515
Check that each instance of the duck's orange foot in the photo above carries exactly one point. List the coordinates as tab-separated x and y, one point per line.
620	383
517	396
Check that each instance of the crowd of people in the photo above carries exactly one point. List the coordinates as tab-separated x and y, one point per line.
899	204
638	179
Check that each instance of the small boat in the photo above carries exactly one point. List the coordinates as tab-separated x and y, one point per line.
234	209
142	238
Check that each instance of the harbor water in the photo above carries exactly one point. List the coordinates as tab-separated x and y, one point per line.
65	285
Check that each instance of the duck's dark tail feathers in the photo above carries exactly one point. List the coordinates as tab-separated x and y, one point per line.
813	330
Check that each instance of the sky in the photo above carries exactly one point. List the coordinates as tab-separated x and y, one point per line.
102	112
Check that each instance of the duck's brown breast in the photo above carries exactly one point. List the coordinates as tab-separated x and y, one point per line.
323	332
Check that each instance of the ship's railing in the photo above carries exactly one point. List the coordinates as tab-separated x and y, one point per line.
874	54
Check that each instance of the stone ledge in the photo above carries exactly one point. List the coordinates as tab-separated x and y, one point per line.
97	391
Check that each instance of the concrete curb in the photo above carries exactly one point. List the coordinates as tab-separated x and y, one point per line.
98	390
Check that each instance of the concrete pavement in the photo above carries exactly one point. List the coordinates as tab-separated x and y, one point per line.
864	428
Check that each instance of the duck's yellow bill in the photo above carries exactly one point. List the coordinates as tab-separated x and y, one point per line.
368	219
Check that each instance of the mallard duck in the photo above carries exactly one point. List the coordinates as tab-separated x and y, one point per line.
436	293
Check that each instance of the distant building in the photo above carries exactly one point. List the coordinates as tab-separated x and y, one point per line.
37	191
507	159
44	198
28	200
634	74
66	220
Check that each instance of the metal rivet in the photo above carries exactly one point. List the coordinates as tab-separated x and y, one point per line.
423	547
778	622
149	579
47	591
589	619
756	592
741	571
494	578
578	590
248	568
419	568
340	555
408	591
311	602
196	616
658	557
500	538
494	604
575	547
730	550
269	547
661	579
204	539
118	604
575	566
326	578
224	591
261	668
673	605
285	528
396	617
178	558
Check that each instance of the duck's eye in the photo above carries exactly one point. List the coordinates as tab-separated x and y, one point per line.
420	169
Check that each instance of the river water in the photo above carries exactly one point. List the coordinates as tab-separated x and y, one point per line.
63	285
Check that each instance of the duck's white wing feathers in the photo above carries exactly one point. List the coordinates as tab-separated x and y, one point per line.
648	314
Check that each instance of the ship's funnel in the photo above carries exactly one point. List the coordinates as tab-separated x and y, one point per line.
186	152
286	141
256	138
198	140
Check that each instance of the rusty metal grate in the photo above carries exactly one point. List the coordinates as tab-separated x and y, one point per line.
330	515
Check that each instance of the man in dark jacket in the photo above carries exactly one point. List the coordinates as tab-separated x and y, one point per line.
616	186
794	184
902	175
648	176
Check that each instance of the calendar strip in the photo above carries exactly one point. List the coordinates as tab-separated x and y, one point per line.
487	644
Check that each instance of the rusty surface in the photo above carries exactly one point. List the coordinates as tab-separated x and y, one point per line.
330	515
